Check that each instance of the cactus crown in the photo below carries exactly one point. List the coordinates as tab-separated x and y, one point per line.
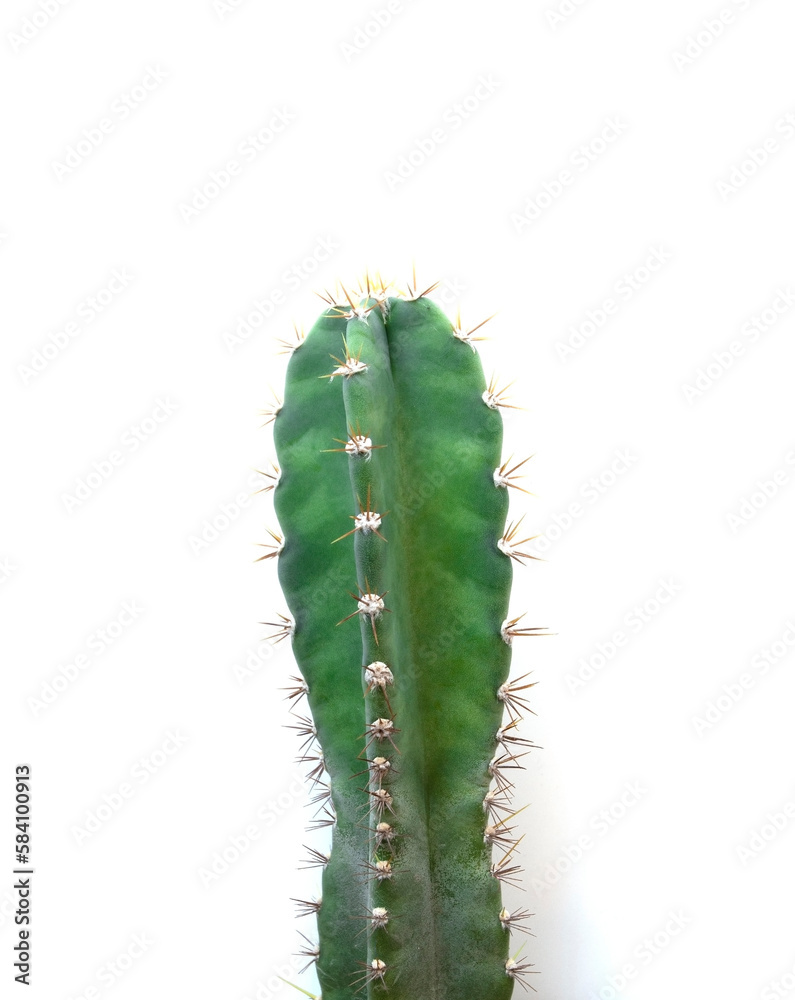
396	565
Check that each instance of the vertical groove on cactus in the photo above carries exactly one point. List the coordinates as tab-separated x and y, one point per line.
396	564
311	501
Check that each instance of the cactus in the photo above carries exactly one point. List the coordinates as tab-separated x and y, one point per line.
396	564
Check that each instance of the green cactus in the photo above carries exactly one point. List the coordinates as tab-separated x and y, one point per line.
396	566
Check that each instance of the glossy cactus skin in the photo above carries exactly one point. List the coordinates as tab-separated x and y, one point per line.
394	572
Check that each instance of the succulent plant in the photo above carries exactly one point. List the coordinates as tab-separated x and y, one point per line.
396	564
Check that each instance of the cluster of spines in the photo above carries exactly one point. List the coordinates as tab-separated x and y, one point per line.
381	735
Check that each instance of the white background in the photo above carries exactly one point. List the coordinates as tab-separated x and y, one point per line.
155	379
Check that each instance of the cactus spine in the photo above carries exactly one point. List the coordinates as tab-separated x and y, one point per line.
396	567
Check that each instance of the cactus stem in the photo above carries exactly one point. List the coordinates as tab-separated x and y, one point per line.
507	694
509	547
494	397
503	476
275	550
285	627
410	859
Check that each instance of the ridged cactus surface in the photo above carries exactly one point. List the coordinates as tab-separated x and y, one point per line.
396	567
